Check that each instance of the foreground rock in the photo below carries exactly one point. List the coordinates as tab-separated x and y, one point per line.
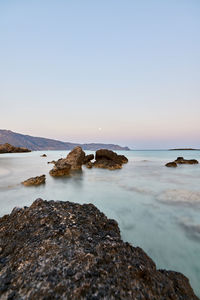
181	161
7	148
63	250
109	160
35	180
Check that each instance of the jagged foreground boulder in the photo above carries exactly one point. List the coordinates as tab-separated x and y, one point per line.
7	148
63	250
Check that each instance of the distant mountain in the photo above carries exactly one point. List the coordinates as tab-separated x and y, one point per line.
183	149
39	143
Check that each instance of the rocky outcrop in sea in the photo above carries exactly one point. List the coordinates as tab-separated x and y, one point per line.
35	180
181	161
104	158
64	250
7	148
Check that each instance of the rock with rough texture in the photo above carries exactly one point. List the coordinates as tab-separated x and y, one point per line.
89	165
63	250
171	164
107	164
76	158
181	160
109	160
35	180
7	148
61	168
88	158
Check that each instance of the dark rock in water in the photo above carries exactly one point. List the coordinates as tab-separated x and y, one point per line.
88	158
7	148
76	158
35	180
107	164
171	164
61	168
43	155
181	160
89	165
51	162
109	160
63	250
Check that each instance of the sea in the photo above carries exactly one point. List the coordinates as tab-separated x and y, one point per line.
157	208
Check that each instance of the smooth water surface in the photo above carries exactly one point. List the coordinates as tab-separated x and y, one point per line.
157	208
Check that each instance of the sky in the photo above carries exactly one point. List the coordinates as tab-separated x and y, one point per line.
125	72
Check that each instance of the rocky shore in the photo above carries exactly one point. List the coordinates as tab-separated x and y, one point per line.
63	250
7	148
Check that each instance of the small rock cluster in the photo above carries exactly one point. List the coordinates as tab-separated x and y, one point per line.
7	148
181	161
63	250
76	158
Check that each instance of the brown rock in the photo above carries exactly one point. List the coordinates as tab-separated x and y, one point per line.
108	159
43	155
181	160
76	158
88	158
89	165
171	164
107	164
7	148
63	250
35	180
61	168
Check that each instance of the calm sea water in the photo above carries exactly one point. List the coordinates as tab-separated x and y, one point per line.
157	208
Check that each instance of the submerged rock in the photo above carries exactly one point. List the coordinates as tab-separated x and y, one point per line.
109	160
63	250
7	148
43	155
171	164
35	180
181	160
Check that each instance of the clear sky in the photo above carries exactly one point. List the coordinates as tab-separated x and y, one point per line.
125	72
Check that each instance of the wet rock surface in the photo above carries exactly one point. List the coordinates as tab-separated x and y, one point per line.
43	155
7	148
35	180
182	161
63	250
171	164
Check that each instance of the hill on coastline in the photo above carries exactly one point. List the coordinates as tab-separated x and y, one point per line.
39	143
